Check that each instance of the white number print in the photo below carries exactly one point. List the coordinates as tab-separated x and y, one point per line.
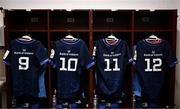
157	62
23	63
108	65
69	67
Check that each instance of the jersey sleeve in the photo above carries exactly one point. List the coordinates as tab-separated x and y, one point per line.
53	56
7	57
133	53
94	55
41	54
170	56
85	58
128	56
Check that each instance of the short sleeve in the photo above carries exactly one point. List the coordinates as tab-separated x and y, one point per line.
133	53
128	56
7	57
85	58
171	59
53	55
41	54
94	52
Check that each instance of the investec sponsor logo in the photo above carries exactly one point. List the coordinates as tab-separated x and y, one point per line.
153	54
68	54
112	55
24	51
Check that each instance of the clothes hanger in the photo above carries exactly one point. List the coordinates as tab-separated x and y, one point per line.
26	38
69	37
111	38
153	39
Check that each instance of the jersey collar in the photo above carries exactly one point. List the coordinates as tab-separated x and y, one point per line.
70	42
152	44
25	42
106	43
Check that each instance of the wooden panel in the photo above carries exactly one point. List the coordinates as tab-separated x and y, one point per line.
27	20
158	19
110	20
69	20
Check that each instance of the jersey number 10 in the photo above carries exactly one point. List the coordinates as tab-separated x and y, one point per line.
69	63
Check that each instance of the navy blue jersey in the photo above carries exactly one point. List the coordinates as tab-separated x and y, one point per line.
151	62
111	61
69	57
25	59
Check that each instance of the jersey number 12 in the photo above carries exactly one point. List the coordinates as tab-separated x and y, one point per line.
157	62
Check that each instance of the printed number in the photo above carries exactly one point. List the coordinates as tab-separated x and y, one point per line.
108	65
69	67
23	63
156	63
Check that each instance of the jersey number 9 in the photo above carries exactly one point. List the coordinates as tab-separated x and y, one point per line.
23	63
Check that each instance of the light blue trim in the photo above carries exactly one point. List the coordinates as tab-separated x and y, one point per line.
43	62
134	63
90	65
7	63
130	60
42	89
173	64
95	77
70	43
136	86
